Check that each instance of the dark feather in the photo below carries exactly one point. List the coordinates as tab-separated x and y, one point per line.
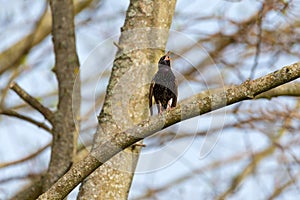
150	97
163	86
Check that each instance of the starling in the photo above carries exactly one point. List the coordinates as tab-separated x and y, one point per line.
163	86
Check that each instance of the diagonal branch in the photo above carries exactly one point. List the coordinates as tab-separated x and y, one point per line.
32	101
11	57
290	89
256	159
278	190
119	141
2	165
247	170
181	179
258	42
25	118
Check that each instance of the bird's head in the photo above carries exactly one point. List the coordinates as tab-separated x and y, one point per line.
165	59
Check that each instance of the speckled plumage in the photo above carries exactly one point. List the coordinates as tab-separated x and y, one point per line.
163	87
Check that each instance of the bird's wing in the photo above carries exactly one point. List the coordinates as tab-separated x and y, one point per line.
174	101
150	96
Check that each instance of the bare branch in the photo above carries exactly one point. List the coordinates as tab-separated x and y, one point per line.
30	192
2	165
27	176
257	158
32	101
185	177
65	134
277	191
258	43
35	188
119	141
289	89
12	57
5	90
25	118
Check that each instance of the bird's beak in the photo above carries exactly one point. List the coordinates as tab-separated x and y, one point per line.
168	56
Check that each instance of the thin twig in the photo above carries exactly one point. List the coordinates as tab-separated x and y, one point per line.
200	171
258	43
2	165
4	92
277	191
10	58
12	113
48	114
256	159
118	46
27	176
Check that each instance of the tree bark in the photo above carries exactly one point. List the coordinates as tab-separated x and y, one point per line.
142	42
66	69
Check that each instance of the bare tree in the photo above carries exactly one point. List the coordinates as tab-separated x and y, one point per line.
230	88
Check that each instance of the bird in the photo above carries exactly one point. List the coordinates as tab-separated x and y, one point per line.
163	86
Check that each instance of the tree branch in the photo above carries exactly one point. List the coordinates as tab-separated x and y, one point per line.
12	57
31	192
32	101
290	89
2	165
256	159
12	113
278	190
119	141
65	132
36	186
183	178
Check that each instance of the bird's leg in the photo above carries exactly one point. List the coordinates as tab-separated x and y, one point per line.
139	144
169	104
160	108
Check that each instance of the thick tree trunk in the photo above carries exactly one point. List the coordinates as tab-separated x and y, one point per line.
142	42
